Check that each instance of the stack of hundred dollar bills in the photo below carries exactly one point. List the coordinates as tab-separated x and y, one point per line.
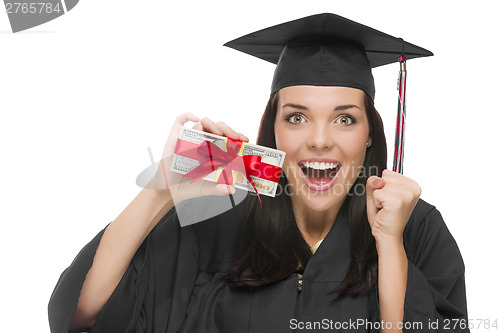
183	165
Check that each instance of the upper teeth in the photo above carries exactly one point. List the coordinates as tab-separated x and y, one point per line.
320	166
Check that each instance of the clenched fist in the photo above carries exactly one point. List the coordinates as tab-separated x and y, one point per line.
390	201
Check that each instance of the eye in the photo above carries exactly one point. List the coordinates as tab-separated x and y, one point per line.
295	118
345	120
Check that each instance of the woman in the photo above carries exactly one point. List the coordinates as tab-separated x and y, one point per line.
383	258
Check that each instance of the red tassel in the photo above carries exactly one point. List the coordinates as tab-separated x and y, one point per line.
397	165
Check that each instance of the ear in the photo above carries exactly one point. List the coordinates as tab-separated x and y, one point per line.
369	142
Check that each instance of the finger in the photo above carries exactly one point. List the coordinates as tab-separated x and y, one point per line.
245	138
222	128
399	183
180	120
379	197
198	127
185	117
229	132
209	126
395	177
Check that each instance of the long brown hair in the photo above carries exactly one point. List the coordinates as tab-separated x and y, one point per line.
270	245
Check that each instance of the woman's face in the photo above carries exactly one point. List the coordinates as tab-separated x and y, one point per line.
324	132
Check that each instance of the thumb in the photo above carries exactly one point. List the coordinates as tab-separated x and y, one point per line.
223	189
210	188
373	183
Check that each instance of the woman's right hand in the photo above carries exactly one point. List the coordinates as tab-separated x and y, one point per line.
179	187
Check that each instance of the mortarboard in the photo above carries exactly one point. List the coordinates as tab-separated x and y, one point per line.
330	50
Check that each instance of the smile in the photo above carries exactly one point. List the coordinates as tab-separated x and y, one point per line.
319	174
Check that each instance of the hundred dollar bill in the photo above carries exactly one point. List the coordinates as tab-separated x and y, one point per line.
183	165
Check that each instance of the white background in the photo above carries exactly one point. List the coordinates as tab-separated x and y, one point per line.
83	96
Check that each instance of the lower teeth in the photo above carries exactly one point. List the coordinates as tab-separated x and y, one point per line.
320	176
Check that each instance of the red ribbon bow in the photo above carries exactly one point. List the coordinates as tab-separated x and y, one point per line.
212	157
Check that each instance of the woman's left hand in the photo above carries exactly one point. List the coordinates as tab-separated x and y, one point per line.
390	201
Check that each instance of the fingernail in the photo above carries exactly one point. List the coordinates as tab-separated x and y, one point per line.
377	182
243	137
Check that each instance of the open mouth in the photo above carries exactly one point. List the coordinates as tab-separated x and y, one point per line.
319	173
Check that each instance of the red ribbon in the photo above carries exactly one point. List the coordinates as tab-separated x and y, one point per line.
212	157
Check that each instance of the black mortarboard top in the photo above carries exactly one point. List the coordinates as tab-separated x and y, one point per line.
325	50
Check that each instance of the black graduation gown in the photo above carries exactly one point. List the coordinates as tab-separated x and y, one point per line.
172	283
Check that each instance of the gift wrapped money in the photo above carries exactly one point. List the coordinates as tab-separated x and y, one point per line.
201	155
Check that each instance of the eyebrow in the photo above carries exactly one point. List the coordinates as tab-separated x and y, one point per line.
338	108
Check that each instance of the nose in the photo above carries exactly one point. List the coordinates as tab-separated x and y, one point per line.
320	138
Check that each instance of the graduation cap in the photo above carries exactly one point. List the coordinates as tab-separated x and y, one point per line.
330	50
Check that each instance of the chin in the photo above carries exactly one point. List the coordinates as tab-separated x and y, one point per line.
321	201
